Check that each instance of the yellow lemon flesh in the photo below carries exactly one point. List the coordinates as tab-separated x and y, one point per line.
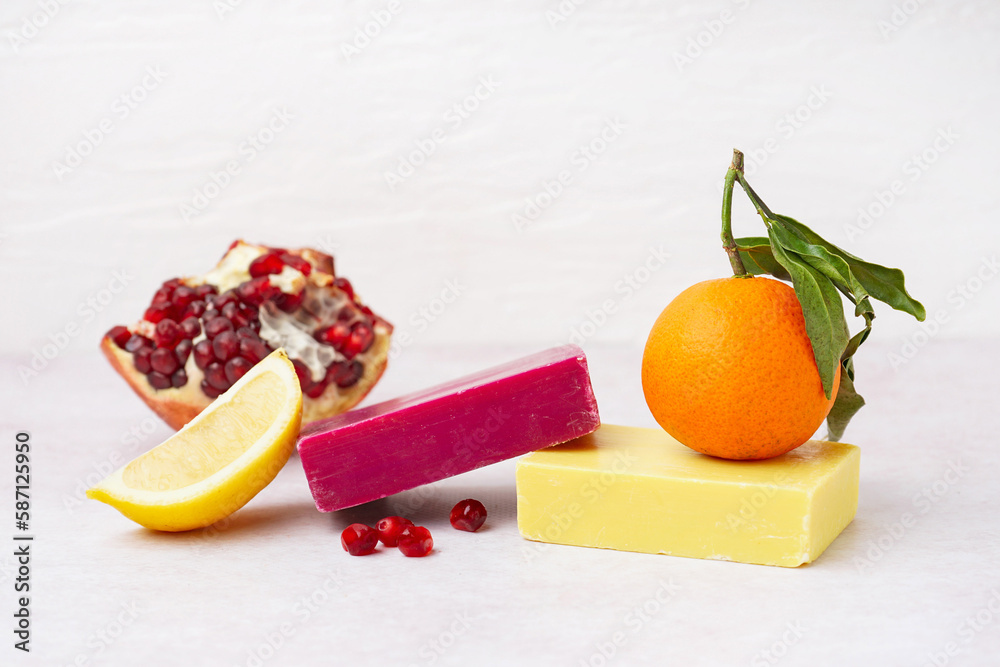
220	460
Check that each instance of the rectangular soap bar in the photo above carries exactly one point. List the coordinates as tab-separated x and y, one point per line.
638	489
376	451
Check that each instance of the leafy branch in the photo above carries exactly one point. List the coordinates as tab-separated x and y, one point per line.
820	272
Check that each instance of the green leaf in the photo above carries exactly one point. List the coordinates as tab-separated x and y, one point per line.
846	406
758	258
822	309
885	284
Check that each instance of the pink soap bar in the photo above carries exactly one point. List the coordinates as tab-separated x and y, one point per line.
373	452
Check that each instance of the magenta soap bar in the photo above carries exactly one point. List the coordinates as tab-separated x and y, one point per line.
541	400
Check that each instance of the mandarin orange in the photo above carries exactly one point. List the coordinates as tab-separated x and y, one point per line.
728	370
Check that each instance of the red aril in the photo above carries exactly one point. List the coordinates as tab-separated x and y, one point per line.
468	515
359	539
266	264
389	529
415	541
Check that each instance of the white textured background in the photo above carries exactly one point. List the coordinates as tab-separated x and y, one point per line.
833	102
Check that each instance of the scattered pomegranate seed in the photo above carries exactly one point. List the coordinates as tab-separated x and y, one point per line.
179	378
168	333
203	354
415	541
183	351
163	361
236	368
359	341
334	335
345	373
137	342
296	262
359	539
190	327
217	325
209	390
468	515
215	374
158	380
119	335
183	296
140	359
253	350
226	346
266	264
345	285
157	312
389	529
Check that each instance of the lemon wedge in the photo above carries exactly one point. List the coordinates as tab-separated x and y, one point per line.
220	460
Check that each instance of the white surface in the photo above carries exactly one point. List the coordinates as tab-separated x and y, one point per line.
209	598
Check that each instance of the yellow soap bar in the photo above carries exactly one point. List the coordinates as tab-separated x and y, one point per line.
638	489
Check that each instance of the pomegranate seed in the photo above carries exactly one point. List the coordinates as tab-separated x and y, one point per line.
302	371
334	335
266	264
157	312
163	360
158	380
296	262
137	342
194	309
253	350
229	310
203	291
359	539
345	285
140	359
345	373
389	529
203	354
257	291
316	389
219	301
415	541
217	325
236	368
289	303
209	390
347	314
183	351
172	283
168	333
161	296
225	346
183	296
120	335
190	327
179	379
360	340
468	515
232	245
216	376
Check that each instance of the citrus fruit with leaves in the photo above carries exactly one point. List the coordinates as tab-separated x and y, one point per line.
723	370
729	371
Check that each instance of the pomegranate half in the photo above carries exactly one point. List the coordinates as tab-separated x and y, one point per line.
201	334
